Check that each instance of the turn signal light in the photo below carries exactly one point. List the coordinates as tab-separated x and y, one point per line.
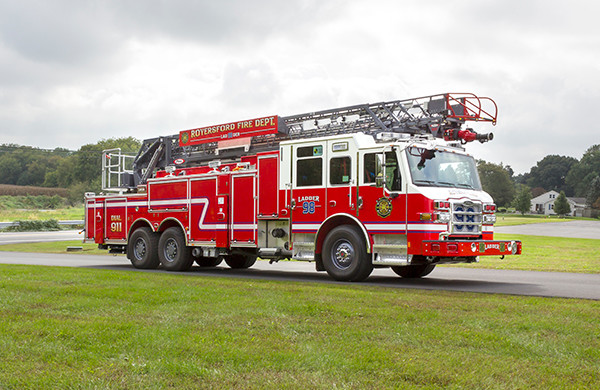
441	205
489	208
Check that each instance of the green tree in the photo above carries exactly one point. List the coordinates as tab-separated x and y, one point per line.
593	195
583	173
522	202
88	161
561	205
550	173
495	180
10	169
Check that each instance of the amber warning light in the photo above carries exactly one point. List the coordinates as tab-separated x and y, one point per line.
242	129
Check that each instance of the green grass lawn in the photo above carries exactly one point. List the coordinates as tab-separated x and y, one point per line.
81	328
518	219
53	247
546	254
65	214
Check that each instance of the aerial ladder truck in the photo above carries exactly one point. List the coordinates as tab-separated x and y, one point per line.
372	185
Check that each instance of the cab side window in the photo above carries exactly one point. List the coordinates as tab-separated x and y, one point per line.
393	180
309	166
340	170
371	168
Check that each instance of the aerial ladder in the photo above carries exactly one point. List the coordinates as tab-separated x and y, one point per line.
440	116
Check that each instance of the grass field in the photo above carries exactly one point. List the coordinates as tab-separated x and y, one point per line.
518	219
80	328
546	254
64	214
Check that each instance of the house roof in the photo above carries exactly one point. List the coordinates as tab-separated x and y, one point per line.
578	200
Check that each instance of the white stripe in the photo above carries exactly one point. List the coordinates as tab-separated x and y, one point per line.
385	226
306	226
168	203
428	227
244	226
124	204
213	226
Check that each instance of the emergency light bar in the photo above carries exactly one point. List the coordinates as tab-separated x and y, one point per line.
228	131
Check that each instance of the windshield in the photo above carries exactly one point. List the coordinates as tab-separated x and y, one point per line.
439	168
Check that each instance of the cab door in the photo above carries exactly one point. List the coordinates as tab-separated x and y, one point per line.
382	191
341	178
308	186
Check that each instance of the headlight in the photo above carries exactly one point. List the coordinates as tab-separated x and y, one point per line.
489	218
443	217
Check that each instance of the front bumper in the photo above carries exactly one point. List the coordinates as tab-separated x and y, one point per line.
465	248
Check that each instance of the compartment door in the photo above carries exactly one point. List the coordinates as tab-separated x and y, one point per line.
205	211
115	219
243	210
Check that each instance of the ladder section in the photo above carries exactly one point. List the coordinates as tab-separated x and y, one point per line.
424	115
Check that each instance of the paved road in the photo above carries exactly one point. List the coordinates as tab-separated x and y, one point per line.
570	229
545	284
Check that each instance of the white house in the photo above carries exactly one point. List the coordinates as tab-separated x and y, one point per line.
544	204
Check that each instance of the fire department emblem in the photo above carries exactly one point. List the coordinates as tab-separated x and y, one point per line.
383	207
185	137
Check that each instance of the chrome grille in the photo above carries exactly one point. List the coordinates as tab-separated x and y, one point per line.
466	217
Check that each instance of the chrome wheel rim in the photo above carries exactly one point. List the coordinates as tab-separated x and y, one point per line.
342	254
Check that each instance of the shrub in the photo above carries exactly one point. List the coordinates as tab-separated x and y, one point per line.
34	226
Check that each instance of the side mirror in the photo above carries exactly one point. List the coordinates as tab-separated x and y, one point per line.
379	181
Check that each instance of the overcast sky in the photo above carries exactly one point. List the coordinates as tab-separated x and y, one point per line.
74	72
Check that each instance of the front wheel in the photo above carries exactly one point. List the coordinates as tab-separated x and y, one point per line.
345	255
174	255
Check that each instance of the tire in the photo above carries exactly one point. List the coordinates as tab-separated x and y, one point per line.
240	261
174	255
208	261
345	255
414	271
142	249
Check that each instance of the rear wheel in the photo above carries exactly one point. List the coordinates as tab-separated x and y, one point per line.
174	255
240	261
142	249
208	261
414	270
345	254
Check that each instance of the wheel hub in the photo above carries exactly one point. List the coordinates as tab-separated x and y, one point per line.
139	249
171	250
343	255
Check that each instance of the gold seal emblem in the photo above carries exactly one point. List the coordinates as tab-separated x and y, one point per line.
185	137
383	207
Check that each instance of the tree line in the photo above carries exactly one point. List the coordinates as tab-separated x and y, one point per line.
80	171
566	175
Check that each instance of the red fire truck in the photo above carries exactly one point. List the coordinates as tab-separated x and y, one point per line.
350	189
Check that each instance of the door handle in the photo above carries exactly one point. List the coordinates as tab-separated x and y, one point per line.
332	203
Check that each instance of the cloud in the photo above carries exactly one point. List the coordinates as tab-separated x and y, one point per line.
75	72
